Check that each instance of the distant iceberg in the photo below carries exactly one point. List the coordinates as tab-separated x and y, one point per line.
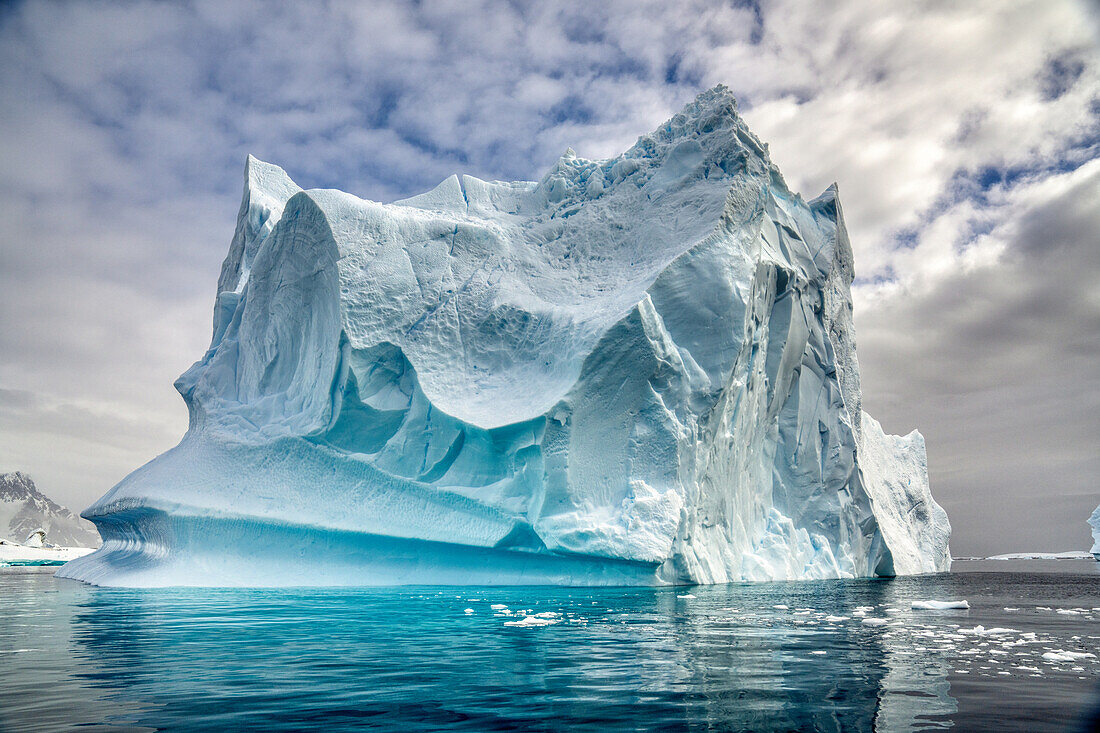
1094	522
1069	555
37	550
634	371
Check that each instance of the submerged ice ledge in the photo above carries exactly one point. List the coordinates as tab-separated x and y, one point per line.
637	371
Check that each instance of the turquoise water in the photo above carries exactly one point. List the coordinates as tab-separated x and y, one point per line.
729	658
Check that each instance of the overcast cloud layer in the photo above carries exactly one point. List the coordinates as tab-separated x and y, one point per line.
965	138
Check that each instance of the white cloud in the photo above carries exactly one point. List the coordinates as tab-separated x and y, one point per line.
995	359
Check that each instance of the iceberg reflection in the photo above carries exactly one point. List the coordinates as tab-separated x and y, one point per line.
414	659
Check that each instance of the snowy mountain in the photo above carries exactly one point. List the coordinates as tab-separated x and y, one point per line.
24	509
639	370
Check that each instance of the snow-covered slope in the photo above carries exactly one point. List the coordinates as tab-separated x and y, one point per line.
24	509
634	371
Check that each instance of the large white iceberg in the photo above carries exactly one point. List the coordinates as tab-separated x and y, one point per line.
639	370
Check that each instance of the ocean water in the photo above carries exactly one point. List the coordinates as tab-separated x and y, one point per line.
826	655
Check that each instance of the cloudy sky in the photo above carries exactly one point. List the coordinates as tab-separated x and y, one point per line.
965	138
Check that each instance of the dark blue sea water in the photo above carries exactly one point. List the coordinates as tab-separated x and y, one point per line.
775	656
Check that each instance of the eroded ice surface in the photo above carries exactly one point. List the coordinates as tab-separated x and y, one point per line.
638	370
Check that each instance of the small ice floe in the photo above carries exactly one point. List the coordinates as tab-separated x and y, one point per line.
939	605
836	619
980	630
1010	610
780	608
819	653
1068	612
685	595
872	621
1060	655
535	620
864	608
499	607
469	611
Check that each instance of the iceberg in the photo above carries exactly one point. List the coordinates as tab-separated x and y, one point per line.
1094	522
36	551
634	371
1068	555
16	555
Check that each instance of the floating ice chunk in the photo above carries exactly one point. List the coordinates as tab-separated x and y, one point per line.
836	619
1060	655
780	608
468	611
819	653
980	630
1068	612
939	605
685	595
528	621
499	607
874	621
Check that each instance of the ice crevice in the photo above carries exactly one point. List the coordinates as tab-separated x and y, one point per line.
639	370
